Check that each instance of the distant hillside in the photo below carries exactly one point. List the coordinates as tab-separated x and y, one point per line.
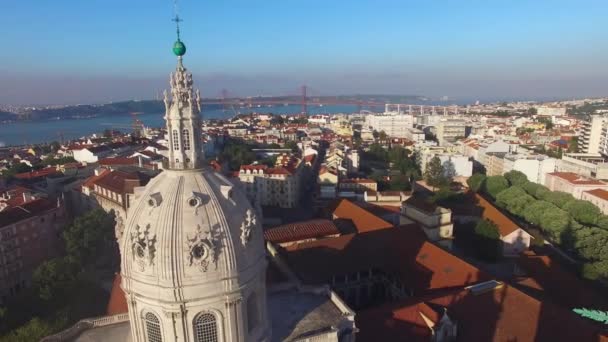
117	108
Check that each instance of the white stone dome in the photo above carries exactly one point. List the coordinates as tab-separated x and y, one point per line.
189	234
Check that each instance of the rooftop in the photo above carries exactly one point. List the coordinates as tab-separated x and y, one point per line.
576	179
301	231
599	193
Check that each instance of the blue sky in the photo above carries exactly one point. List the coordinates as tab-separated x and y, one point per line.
100	50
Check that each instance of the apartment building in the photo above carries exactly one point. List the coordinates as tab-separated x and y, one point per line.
394	125
450	130
572	183
30	233
272	186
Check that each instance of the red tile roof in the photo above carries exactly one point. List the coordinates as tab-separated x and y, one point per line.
90	182
402	251
545	278
505	225
37	174
576	179
363	220
27	210
599	193
504	314
301	231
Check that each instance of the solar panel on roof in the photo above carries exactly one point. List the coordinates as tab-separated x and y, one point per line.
485	287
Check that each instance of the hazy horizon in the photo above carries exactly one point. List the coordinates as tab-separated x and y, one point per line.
78	52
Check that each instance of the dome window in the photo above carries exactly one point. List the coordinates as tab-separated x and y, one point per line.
155	200
195	200
226	191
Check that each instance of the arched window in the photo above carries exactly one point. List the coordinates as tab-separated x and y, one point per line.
175	140
252	312
153	328
205	328
186	139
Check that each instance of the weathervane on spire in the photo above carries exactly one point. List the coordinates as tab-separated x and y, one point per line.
179	49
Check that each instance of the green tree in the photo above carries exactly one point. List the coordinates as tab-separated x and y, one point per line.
554	222
476	182
541	192
495	184
382	136
515	200
434	173
602	222
583	211
487	241
516	178
34	330
558	198
573	145
399	183
533	212
54	279
449	171
89	236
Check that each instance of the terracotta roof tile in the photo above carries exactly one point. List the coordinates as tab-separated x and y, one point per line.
599	193
505	314
301	231
505	225
363	220
576	179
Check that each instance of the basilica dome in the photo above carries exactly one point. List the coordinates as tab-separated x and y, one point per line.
189	229
193	261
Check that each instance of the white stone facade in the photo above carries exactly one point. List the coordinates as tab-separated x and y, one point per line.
193	256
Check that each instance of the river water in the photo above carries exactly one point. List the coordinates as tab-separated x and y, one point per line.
22	133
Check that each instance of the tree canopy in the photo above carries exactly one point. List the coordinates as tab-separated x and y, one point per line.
487	240
516	178
476	181
584	212
434	173
495	184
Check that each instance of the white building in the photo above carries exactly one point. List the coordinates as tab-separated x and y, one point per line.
534	167
448	131
394	125
551	111
591	136
572	183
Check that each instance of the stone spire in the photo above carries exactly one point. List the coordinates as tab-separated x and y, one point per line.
182	115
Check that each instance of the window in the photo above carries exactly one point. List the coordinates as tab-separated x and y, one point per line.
205	328
252	312
153	328
175	140
186	139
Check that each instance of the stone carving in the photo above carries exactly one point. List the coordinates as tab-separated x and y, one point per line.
247	227
119	228
142	245
202	249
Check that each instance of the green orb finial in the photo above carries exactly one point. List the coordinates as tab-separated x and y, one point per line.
179	48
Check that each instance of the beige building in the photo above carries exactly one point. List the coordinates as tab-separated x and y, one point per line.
435	221
277	186
572	183
598	197
448	131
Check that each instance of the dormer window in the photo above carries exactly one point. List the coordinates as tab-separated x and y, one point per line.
155	200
